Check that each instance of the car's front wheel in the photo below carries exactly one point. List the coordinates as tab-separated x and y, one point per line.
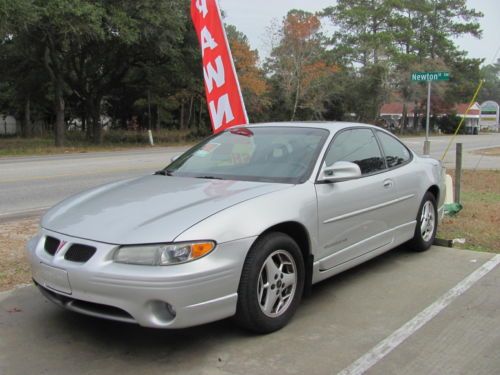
427	222
271	283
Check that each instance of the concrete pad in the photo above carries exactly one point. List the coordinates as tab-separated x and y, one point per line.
463	339
343	319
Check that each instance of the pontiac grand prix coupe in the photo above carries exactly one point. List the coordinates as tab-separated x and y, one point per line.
239	225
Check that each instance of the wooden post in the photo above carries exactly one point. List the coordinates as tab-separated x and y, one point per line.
458	172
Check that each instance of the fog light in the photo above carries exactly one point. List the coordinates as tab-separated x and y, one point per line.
162	312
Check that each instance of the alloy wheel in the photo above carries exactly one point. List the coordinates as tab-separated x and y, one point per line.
277	283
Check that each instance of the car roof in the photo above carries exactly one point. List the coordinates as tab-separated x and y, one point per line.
328	125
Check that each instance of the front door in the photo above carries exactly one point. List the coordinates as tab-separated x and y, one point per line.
354	216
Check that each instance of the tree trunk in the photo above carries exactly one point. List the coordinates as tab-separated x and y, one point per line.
149	109
182	117
28	126
201	111
190	111
59	109
404	118
158	120
415	117
95	111
88	122
53	67
296	102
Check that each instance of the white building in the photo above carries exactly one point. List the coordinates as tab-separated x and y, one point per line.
471	117
8	125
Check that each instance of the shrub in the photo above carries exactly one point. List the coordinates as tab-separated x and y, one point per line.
449	123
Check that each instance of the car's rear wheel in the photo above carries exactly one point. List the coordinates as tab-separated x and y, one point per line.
427	223
271	284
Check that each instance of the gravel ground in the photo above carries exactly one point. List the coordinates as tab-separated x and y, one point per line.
14	268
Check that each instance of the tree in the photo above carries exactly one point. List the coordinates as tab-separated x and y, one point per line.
252	78
491	88
364	26
298	66
365	42
89	48
388	39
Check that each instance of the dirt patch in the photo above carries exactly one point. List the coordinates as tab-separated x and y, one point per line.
493	151
14	268
479	220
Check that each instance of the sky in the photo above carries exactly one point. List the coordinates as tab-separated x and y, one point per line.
253	17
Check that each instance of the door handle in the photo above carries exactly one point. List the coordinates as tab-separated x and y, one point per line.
388	184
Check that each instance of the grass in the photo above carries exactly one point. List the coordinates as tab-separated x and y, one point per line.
76	143
479	221
14	267
493	151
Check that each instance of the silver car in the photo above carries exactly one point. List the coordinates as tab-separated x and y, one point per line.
240	225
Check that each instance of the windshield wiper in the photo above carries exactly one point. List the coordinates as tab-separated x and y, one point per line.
163	172
210	177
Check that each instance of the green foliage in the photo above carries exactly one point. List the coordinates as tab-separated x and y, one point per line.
87	55
138	63
449	123
491	88
383	41
299	69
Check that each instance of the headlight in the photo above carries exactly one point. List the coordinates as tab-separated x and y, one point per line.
163	254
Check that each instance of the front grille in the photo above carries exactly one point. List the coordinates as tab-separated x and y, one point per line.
98	309
79	253
51	245
88	308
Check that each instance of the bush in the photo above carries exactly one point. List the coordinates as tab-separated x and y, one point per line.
449	123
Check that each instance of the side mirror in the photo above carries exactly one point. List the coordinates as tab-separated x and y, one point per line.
174	158
340	171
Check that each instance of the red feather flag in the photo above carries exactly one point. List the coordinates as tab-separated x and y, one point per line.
224	98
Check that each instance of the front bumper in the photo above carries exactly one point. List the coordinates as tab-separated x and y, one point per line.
175	296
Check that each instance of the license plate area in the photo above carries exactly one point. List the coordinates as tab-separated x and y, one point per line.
54	278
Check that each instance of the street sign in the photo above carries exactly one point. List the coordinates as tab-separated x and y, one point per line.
430	76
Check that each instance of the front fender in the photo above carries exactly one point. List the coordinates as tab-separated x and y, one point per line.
253	217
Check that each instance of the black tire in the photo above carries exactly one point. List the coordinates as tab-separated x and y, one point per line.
423	241
249	313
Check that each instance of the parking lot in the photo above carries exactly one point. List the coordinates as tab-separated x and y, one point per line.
402	313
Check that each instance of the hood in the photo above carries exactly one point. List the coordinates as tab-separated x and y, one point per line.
151	209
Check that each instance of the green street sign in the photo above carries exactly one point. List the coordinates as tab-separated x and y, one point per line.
430	76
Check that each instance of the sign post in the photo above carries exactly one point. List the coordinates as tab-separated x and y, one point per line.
429	77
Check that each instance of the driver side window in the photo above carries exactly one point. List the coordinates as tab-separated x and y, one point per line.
357	146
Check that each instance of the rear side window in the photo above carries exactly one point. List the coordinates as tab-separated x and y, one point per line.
358	146
395	152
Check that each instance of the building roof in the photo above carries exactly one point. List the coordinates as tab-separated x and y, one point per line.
396	108
461	108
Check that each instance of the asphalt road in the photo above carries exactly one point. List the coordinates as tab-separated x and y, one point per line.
29	185
471	143
401	313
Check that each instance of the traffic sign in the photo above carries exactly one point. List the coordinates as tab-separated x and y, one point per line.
430	76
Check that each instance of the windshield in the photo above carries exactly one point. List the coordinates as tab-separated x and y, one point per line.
277	154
